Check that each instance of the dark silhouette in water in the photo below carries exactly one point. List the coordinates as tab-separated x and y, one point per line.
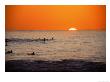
8	52
52	38
31	53
44	40
6	42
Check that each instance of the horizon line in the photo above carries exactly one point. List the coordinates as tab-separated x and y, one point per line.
61	30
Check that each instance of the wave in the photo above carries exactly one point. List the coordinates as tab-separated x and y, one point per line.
27	40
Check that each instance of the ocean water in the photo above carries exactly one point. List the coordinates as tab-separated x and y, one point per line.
85	45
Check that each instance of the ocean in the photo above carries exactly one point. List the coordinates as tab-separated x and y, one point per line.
84	45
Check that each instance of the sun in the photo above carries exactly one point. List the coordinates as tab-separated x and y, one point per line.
72	29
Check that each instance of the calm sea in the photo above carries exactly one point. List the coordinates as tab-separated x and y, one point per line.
86	45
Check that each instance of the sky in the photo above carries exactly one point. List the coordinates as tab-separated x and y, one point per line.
55	17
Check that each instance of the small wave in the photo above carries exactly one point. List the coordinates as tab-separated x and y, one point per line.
26	40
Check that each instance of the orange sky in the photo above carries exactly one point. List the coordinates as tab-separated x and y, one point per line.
56	17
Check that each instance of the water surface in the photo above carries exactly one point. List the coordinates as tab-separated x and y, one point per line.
86	45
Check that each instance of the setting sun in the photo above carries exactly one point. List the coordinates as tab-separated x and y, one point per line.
72	29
